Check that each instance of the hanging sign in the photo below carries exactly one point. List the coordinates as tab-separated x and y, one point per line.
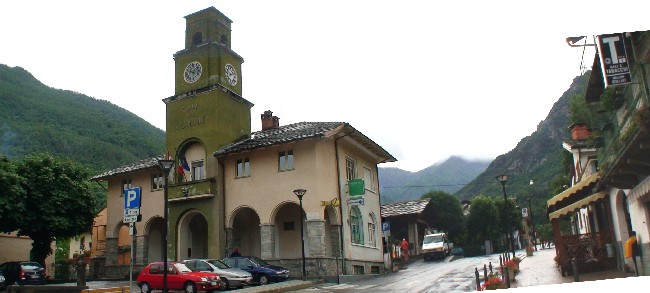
613	59
356	187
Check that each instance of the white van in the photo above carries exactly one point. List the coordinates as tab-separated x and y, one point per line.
435	245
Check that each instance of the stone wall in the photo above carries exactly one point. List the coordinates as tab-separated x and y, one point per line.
327	267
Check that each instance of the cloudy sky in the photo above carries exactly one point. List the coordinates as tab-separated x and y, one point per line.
423	79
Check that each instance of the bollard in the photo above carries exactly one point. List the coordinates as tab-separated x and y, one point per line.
506	277
500	261
478	281
490	266
81	272
574	265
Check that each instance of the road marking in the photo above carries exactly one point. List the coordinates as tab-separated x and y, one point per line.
338	286
409	284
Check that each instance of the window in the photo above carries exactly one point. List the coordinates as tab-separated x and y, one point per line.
368	178
289	226
198	171
157	181
197	39
356	222
243	168
126	184
350	168
286	161
372	241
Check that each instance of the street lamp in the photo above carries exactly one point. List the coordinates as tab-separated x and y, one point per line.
300	193
166	166
530	210
503	179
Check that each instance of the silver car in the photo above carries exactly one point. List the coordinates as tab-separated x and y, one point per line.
230	277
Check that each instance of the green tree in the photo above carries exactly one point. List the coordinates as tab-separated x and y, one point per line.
11	196
447	214
58	202
483	219
508	214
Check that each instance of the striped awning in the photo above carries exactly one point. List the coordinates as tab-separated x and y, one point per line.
585	183
577	205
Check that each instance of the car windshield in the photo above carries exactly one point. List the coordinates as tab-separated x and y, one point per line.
432	239
30	266
258	261
182	268
219	264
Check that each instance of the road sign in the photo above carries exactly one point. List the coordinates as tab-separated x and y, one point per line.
385	229
132	198
130	219
131	212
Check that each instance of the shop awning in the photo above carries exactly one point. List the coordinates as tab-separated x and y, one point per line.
577	205
585	183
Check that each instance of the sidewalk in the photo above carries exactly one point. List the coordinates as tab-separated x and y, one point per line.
539	269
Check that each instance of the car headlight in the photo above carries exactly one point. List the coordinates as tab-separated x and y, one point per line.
2	278
204	279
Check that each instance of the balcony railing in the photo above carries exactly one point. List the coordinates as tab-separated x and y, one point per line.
192	189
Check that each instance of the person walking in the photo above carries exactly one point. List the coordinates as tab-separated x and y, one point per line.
405	250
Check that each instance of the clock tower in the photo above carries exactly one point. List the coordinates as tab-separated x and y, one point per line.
206	112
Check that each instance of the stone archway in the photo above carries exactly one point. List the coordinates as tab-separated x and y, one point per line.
154	231
245	224
123	244
332	231
192	236
287	231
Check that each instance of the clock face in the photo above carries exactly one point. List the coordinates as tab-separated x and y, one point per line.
192	72
231	74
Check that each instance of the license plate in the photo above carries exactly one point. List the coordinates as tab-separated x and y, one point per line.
213	283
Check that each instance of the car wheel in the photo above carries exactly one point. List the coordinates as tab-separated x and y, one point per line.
189	287
264	279
145	288
225	285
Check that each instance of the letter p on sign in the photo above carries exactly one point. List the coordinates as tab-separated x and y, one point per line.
132	198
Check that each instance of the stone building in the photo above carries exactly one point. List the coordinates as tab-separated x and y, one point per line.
233	188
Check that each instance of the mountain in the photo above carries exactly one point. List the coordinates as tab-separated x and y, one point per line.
449	176
37	118
538	157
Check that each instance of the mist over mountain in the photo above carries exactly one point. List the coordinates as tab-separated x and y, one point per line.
397	185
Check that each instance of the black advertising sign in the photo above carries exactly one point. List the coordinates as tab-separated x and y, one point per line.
613	59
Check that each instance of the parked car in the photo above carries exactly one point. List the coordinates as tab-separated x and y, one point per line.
457	251
23	273
262	271
3	284
179	277
230	277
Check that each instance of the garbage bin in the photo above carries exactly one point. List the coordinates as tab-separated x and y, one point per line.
609	247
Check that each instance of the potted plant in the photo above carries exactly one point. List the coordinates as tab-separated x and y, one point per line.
513	268
493	282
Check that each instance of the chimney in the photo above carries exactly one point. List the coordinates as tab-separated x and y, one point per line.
580	131
269	121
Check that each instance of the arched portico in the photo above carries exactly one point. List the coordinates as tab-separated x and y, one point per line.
244	231
287	230
154	231
192	231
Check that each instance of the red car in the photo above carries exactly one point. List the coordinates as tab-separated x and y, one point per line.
179	277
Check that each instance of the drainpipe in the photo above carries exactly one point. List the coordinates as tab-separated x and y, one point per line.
338	177
221	171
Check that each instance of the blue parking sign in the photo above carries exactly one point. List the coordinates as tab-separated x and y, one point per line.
132	198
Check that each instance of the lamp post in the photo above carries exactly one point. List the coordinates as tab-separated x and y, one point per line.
166	166
300	193
532	221
503	179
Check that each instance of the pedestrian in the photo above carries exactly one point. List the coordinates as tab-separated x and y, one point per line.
405	250
235	252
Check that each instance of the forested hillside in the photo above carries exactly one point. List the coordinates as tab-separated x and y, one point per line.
36	118
449	176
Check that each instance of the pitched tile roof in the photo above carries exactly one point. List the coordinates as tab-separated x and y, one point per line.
282	134
412	207
139	165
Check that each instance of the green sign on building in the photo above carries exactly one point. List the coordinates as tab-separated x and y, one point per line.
356	187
